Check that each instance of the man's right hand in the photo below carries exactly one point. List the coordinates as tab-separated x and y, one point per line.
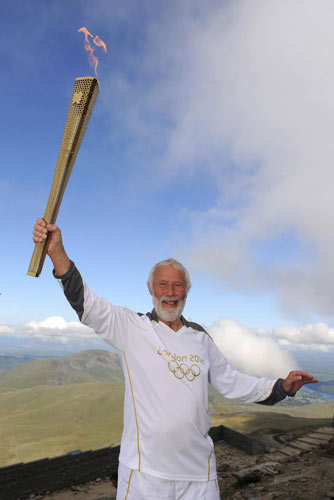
55	248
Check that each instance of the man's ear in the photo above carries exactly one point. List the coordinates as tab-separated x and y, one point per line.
149	290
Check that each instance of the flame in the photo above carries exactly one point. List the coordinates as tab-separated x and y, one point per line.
93	60
100	43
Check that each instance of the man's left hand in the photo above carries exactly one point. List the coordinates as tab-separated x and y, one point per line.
295	380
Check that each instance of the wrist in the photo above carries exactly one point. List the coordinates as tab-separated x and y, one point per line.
288	389
60	261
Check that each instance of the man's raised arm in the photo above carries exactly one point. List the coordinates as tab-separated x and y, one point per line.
56	250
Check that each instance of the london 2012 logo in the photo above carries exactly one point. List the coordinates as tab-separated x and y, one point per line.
182	370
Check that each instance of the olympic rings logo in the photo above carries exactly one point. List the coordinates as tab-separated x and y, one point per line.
181	370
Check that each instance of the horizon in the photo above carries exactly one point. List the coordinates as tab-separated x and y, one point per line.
322	368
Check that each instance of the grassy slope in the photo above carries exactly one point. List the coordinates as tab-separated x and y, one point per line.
46	421
248	418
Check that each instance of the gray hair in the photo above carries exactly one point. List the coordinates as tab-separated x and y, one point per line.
169	262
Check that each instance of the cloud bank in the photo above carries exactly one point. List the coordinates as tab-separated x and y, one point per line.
258	352
258	115
252	351
264	353
317	337
54	329
247	102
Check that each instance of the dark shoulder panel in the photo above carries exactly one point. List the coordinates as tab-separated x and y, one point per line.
151	315
195	326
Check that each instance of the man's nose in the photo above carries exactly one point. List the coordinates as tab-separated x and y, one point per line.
170	290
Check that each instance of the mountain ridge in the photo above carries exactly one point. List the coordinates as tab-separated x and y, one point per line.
86	366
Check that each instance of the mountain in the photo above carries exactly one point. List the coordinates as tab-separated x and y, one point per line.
320	364
86	366
7	361
324	387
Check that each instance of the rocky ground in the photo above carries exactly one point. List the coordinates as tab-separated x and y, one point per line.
297	468
304	475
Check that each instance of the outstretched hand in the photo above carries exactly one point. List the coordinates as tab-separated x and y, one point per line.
295	380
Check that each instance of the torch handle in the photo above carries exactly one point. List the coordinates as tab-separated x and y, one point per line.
38	257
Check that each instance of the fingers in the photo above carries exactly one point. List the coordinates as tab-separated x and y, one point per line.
41	229
296	379
299	375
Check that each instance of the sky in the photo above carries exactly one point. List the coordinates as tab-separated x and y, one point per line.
211	142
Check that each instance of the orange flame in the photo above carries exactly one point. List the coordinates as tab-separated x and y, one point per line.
100	43
93	60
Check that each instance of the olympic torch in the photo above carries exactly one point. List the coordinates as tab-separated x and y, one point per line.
83	98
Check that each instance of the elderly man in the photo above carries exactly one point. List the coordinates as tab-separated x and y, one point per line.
166	452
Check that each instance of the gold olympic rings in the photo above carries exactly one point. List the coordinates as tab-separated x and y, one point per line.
181	370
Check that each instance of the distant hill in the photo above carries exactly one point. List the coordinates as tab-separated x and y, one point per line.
324	387
320	364
86	366
7	361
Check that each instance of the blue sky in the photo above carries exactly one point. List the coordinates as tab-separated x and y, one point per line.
210	141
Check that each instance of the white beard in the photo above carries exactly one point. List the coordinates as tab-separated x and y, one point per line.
168	315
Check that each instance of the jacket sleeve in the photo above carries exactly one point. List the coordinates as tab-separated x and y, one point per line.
235	385
114	324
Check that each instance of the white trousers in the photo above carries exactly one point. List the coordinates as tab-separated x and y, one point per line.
135	485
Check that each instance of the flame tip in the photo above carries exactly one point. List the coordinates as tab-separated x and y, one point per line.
93	60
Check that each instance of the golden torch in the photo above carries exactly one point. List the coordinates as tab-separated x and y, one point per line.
83	98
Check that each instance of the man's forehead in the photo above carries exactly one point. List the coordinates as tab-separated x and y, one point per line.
169	272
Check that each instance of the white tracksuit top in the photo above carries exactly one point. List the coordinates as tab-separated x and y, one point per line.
166	417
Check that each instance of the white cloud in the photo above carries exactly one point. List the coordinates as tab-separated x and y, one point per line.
256	352
6	330
318	336
261	98
53	329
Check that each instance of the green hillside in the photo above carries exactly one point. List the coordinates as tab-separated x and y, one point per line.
7	362
270	420
249	418
46	421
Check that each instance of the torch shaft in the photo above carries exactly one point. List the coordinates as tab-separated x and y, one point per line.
83	99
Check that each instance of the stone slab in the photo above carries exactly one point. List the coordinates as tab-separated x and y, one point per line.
322	437
256	472
325	430
290	452
311	440
302	446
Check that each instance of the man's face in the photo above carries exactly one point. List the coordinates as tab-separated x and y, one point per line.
169	292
